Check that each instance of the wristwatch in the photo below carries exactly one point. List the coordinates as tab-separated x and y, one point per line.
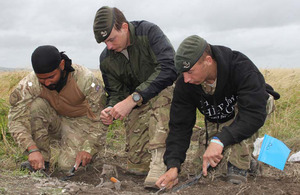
137	98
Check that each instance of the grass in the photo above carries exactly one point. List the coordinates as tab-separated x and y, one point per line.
283	124
10	154
115	138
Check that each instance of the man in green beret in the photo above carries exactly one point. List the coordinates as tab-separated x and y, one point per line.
57	108
138	72
231	93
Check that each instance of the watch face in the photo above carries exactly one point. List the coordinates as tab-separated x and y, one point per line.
136	97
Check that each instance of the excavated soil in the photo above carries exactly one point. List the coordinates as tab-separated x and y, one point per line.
90	181
95	179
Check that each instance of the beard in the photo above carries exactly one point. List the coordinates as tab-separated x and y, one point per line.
58	84
51	87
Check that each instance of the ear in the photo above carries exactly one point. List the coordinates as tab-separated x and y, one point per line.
124	26
62	65
208	59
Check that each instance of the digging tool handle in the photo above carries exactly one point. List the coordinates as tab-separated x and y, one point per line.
70	174
161	190
189	182
73	168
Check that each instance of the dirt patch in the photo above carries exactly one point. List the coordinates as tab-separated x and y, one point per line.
90	180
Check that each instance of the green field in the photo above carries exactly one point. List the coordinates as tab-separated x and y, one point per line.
284	123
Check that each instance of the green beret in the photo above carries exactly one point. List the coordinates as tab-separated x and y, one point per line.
103	23
189	52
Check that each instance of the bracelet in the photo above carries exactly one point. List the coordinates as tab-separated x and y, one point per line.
217	142
33	150
215	138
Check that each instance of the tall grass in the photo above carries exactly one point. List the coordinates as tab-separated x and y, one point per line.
10	154
283	124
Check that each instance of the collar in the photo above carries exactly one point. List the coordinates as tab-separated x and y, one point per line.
132	33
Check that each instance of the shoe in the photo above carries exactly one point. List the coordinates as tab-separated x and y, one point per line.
255	167
236	175
137	169
157	168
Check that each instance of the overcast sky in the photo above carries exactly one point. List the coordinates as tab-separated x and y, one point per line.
267	31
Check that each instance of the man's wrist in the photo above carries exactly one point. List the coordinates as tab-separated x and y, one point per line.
31	147
217	141
137	98
174	169
174	163
33	150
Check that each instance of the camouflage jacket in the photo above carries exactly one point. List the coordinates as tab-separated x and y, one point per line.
29	89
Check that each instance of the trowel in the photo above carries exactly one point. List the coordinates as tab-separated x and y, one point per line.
70	173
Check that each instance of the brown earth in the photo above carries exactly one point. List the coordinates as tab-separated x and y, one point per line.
94	179
91	180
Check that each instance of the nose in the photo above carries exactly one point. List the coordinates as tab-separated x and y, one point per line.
47	82
186	77
109	46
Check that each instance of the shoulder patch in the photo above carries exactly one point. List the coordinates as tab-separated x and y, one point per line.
14	97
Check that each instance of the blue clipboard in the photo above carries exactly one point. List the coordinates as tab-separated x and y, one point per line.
274	152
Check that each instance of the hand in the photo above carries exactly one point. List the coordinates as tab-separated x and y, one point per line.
82	157
105	116
123	108
213	155
36	159
169	179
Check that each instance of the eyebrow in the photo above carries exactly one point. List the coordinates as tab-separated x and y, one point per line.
110	39
45	77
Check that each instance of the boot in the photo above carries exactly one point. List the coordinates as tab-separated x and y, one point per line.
255	167
157	167
236	175
137	169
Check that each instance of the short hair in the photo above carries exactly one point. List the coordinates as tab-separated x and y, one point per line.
207	52
119	18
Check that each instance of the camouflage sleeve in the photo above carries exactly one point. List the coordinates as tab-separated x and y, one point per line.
19	114
92	88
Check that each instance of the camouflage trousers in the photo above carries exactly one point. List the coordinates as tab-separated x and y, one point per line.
237	154
65	135
147	127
